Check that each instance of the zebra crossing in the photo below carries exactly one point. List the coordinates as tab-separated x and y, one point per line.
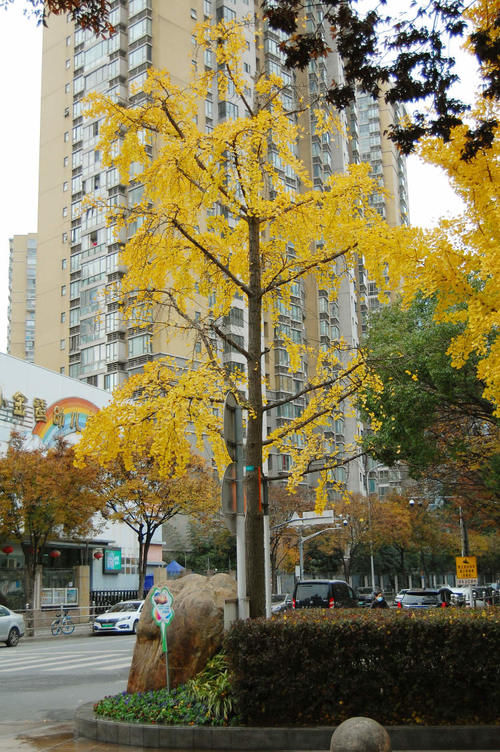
30	660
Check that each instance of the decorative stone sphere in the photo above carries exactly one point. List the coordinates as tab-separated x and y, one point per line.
360	735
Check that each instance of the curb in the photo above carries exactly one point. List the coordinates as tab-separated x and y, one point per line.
81	630
258	738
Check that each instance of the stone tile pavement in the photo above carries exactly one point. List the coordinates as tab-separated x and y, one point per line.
37	736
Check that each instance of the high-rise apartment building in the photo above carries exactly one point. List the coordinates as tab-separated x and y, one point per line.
22	290
78	330
369	121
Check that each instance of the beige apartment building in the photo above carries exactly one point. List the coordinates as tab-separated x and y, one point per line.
22	290
78	332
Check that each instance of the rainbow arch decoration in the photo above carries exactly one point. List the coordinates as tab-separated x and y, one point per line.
64	417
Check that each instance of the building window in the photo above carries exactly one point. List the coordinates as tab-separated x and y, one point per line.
68	64
63	290
228	110
66	137
63	317
62	370
65	237
110	381
65	161
64	263
139	346
194	14
139	56
65	211
65	185
62	344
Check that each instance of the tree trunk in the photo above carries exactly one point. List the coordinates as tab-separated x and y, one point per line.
143	562
254	518
30	560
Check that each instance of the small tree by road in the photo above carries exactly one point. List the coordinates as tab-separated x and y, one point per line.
43	497
141	498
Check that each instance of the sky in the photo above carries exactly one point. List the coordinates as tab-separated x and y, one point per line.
20	64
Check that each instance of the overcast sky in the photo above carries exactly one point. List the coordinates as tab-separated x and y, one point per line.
20	63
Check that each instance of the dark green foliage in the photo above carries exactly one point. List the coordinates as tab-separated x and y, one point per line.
433	416
321	667
158	706
205	700
403	56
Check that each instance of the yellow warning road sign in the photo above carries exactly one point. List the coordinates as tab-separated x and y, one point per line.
466	567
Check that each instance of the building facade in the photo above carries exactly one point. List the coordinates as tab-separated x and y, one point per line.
22	295
79	332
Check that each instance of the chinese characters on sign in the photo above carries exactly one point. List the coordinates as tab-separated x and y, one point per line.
19	409
19	405
466	570
39	409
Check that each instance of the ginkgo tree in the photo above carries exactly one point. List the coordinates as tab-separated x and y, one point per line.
459	264
216	222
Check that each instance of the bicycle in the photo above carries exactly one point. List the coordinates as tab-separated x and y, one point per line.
62	623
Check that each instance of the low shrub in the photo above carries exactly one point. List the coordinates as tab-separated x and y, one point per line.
204	700
320	667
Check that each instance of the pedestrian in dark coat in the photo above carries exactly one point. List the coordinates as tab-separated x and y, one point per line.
379	601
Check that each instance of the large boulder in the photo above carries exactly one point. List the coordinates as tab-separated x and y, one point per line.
193	636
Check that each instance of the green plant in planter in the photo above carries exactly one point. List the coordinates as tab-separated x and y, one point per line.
212	688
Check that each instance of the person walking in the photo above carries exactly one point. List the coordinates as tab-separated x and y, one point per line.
379	601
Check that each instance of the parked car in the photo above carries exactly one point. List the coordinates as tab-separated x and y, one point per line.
324	594
280	602
122	617
458	597
399	596
425	598
11	627
365	596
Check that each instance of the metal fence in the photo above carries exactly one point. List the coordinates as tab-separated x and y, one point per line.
100	600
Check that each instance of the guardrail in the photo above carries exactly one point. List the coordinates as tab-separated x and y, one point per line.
38	621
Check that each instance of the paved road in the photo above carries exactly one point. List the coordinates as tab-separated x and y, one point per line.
45	680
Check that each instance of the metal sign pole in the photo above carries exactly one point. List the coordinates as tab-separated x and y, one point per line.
241	563
163	613
163	628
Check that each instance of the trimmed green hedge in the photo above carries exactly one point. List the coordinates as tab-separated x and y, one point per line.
320	667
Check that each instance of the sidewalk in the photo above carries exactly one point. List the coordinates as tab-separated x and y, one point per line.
32	737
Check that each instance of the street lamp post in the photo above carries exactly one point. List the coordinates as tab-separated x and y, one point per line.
372	562
308	519
303	539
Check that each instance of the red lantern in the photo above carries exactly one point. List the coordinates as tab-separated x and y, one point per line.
55	554
98	555
7	550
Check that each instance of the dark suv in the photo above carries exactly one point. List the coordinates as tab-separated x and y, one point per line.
324	594
425	598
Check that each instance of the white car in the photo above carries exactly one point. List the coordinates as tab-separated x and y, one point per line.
11	627
122	617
